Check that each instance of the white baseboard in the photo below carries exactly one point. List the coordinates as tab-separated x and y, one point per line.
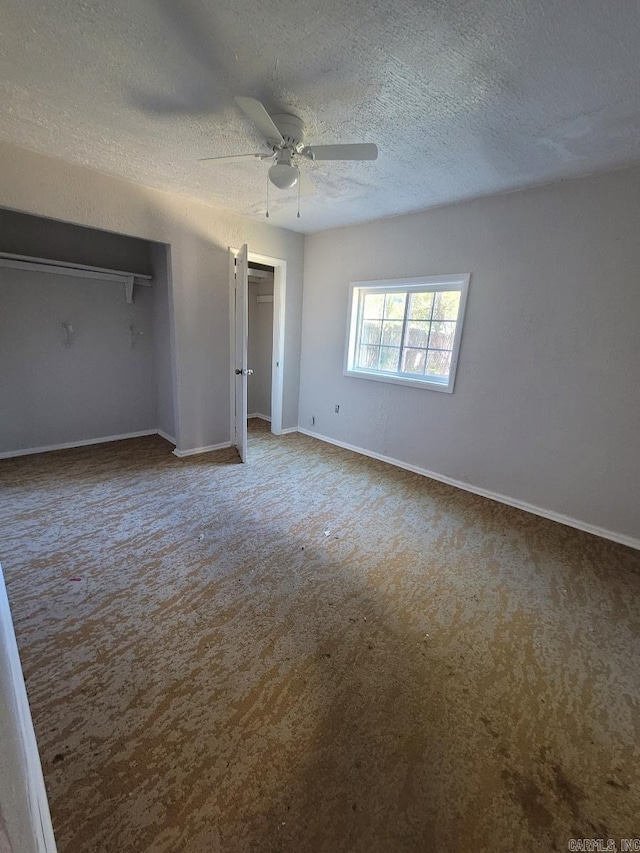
166	436
621	538
194	451
27	779
268	420
8	454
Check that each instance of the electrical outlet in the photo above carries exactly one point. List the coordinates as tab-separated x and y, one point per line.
337	409
313	420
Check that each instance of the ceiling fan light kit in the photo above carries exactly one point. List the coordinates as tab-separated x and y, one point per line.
284	134
283	176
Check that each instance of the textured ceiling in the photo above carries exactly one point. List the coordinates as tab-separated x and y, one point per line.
463	98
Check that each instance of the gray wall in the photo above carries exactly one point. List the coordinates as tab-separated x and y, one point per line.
199	237
260	348
96	387
23	234
25	824
547	400
163	340
16	834
99	386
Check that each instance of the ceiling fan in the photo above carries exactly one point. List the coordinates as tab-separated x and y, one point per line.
285	135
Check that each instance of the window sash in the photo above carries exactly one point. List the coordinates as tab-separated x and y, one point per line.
357	342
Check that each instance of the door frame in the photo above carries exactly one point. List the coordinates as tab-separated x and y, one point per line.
240	376
277	357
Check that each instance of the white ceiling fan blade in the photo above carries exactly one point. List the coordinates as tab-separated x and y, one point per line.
307	187
254	110
357	151
235	157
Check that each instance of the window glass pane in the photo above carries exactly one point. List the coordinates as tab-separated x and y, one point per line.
413	360
373	306
367	357
389	357
394	306
371	331
392	333
442	335
417	334
404	330
438	364
420	306
446	305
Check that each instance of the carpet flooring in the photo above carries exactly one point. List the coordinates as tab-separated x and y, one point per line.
315	652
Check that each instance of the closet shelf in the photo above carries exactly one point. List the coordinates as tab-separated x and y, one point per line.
25	262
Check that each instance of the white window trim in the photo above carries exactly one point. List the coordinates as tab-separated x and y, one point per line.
434	283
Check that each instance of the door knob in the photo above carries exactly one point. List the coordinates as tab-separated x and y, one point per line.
246	372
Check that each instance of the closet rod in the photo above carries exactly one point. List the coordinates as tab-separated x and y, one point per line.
25	262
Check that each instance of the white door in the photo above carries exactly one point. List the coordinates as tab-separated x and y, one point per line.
241	371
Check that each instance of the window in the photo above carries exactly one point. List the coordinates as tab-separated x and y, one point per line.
406	331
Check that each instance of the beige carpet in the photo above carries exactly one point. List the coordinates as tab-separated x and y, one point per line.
315	652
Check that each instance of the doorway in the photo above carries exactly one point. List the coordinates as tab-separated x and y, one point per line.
260	340
267	274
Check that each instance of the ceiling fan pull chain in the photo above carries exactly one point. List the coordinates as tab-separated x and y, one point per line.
298	193
267	195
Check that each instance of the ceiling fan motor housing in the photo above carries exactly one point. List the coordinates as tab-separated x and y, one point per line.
292	130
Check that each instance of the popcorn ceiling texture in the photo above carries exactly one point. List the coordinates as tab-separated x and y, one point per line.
315	653
462	98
